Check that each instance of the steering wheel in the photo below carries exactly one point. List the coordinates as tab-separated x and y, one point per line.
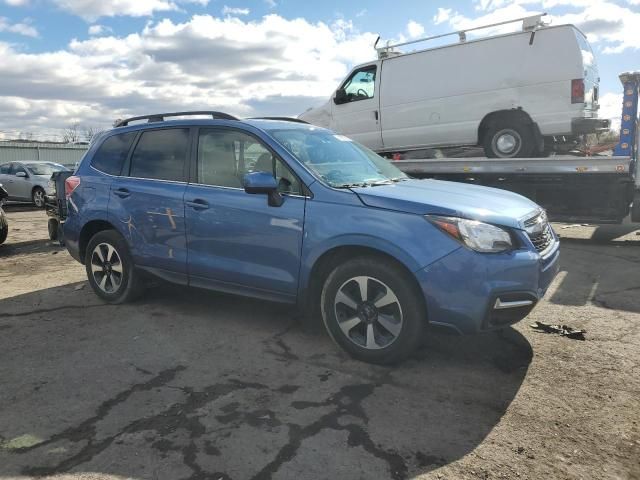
362	93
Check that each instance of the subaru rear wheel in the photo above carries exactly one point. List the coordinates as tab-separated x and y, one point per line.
110	270
373	310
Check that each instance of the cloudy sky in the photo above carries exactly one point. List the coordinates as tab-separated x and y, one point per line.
92	61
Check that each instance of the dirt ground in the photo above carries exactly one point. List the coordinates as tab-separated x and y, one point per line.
188	384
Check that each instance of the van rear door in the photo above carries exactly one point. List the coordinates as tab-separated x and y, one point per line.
591	75
356	106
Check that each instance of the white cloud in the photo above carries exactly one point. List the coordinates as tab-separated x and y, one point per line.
442	16
609	25
611	108
363	12
16	3
23	28
95	30
414	29
271	66
235	11
91	10
271	3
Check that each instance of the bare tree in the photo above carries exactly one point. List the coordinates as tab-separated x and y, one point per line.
71	134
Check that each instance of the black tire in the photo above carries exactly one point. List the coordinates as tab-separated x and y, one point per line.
38	197
382	276
504	132
130	285
52	227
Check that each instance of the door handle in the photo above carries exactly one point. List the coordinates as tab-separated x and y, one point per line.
122	192
197	204
375	113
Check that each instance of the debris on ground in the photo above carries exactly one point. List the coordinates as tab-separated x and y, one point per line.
562	330
79	287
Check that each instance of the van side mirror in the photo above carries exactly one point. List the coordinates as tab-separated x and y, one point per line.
340	97
21	174
261	183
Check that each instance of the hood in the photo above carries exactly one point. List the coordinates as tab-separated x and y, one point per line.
454	199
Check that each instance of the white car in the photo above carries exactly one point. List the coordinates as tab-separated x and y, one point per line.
506	92
29	181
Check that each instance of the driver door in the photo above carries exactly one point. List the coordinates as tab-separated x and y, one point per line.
357	113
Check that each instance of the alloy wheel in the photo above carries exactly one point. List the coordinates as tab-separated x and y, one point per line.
368	312
106	268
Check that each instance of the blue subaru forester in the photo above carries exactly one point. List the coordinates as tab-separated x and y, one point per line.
288	212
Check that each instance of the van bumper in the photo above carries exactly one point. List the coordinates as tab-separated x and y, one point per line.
470	292
583	125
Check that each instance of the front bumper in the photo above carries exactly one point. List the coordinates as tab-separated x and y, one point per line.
584	125
471	292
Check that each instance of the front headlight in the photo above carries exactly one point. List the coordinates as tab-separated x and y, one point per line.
479	236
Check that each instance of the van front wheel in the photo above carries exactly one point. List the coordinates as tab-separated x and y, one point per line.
509	139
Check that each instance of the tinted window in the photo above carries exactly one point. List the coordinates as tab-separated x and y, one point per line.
161	154
225	156
112	153
4	169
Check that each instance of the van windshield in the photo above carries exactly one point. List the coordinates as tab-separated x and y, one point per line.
336	159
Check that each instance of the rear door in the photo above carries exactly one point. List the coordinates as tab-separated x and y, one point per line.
236	241
357	114
147	201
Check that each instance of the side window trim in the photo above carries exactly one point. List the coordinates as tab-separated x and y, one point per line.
193	178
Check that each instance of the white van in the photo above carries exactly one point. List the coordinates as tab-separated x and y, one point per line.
505	92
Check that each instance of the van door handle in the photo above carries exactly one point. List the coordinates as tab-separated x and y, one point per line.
375	113
197	204
122	192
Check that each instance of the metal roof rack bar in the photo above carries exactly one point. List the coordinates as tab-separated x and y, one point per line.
159	117
284	119
528	23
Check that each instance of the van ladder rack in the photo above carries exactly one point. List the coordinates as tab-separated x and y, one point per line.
284	119
160	117
530	23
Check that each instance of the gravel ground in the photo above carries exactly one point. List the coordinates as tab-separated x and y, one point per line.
192	384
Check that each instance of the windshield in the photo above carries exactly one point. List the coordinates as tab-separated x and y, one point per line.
336	159
44	168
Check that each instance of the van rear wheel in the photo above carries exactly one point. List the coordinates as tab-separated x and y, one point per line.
509	139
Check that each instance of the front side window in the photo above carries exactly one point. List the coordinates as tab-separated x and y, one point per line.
336	159
113	152
4	169
225	156
361	85
161	155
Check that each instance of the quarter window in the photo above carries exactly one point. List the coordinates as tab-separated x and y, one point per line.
113	152
161	154
225	156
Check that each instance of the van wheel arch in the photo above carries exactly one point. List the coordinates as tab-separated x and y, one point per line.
515	116
88	231
324	265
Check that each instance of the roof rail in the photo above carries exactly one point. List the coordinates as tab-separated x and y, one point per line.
530	23
284	119
159	117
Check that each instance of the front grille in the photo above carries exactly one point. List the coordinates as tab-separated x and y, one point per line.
539	231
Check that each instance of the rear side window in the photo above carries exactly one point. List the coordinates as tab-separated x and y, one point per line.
161	155
4	169
112	154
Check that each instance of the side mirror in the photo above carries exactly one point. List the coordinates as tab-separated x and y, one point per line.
264	183
21	174
341	96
